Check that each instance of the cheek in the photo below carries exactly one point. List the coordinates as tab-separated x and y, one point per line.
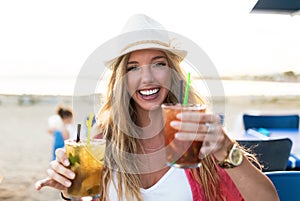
132	82
164	78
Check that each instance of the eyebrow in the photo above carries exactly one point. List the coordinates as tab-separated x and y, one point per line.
153	59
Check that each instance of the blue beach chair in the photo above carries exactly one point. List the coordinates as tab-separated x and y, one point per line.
287	184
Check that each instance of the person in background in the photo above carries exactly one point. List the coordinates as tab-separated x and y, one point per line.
59	133
146	74
67	116
60	127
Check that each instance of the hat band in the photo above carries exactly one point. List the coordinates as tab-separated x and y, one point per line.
144	42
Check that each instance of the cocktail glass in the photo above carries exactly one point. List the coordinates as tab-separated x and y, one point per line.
87	162
179	153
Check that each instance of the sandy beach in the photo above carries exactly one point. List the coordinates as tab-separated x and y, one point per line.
25	146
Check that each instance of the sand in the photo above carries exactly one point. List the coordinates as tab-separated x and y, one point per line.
25	146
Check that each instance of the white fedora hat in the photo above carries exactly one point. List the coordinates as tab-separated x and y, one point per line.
142	32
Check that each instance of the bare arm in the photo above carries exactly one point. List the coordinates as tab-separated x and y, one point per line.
65	134
250	181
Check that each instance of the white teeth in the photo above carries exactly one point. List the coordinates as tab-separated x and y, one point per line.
148	92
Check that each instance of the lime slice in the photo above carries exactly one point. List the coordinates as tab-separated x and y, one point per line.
100	151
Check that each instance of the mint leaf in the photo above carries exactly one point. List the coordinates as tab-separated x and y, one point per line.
74	159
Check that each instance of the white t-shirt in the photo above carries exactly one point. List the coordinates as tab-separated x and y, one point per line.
72	131
173	186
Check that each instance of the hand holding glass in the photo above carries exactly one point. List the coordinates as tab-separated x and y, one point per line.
182	154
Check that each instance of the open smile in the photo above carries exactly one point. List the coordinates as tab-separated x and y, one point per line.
149	92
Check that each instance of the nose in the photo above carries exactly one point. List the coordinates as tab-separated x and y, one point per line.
147	74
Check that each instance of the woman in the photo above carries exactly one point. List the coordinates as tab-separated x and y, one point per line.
145	75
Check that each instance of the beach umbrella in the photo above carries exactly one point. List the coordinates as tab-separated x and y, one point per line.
290	7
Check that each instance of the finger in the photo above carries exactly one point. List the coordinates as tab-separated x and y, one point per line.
62	170
215	136
50	183
204	151
189	126
199	117
214	128
59	178
62	157
207	148
41	183
189	136
212	143
213	139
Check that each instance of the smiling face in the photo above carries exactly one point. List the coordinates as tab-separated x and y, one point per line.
149	78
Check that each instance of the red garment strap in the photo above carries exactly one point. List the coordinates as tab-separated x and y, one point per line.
227	187
197	191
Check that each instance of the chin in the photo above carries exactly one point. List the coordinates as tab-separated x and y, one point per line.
149	107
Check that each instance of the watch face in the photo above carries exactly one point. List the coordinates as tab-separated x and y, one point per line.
236	156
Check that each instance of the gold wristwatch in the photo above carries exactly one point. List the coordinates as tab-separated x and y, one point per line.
234	157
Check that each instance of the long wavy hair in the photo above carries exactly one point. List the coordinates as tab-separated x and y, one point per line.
117	119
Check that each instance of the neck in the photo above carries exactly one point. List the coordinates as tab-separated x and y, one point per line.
153	156
153	144
151	123
146	117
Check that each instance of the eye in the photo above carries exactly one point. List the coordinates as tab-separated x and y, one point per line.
159	64
132	68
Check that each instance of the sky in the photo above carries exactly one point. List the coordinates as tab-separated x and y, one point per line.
41	38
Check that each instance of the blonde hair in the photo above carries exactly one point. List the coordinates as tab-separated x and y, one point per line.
117	119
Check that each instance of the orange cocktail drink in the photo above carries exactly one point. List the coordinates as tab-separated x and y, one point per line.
87	161
179	153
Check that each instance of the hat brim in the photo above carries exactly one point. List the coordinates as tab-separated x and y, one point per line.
180	53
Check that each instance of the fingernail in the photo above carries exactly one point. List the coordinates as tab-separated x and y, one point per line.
174	124
179	136
68	183
37	185
71	175
179	115
66	162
